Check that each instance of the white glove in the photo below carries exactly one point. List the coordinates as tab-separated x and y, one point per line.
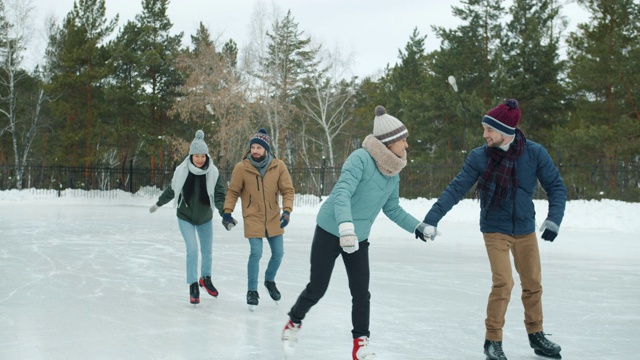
153	208
348	238
426	232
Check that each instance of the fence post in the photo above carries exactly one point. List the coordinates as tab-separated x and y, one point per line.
322	169
131	176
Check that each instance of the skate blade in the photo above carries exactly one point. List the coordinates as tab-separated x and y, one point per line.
252	308
540	353
288	350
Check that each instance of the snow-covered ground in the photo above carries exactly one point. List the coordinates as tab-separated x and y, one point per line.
95	277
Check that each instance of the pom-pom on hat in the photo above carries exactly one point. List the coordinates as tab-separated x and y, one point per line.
387	128
504	117
198	146
261	138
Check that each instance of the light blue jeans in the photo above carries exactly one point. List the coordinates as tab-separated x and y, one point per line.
205	233
253	267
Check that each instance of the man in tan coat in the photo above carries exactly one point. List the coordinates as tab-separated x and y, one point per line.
259	180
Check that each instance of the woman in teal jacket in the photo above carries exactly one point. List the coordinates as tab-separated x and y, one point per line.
368	183
199	188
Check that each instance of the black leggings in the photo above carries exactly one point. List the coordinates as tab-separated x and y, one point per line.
324	251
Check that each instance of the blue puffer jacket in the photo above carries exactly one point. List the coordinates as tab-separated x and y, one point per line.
359	195
513	216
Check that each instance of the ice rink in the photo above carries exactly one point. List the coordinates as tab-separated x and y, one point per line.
101	278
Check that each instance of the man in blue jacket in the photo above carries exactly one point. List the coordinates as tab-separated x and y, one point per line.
507	170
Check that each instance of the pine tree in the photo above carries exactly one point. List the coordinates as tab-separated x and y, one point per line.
468	52
530	68
79	66
157	50
289	59
124	93
604	75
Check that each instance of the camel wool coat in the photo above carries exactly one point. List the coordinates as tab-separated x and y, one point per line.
260	196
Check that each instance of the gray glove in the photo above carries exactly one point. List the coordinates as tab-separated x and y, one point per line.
153	208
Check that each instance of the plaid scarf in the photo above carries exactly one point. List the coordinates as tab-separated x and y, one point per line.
499	180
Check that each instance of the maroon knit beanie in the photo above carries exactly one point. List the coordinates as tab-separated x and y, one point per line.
504	117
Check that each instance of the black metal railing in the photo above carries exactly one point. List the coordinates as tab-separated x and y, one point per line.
583	181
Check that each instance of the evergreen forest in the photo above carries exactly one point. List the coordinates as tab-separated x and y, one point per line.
111	94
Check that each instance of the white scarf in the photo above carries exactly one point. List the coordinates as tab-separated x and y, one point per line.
182	171
387	162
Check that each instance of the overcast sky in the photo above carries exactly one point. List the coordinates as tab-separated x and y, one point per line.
371	31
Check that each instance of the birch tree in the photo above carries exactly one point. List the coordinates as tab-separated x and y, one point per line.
328	101
15	28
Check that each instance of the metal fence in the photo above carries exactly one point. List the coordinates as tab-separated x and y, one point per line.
585	182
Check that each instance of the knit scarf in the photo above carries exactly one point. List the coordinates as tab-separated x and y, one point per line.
182	171
387	162
263	165
499	180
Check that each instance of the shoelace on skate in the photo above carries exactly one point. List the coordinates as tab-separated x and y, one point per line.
364	352
497	349
546	342
293	330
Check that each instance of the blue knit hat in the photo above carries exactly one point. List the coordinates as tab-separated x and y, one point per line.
261	138
198	146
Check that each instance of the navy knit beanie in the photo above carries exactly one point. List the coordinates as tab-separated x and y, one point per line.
261	138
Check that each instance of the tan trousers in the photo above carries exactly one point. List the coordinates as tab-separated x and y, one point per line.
526	258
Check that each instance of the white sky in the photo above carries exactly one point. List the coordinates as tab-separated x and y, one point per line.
98	277
372	31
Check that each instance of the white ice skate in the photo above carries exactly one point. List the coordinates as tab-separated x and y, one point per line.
290	338
360	350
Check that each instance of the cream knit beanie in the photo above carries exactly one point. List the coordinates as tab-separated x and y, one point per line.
387	128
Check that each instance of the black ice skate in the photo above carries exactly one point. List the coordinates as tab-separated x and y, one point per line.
205	282
273	290
543	346
194	293
252	299
493	350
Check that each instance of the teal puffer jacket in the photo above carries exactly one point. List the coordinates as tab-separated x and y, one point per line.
359	195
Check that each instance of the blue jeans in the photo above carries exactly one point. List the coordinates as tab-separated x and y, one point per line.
205	233
253	266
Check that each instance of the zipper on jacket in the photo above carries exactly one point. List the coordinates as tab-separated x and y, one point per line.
264	201
513	216
515	195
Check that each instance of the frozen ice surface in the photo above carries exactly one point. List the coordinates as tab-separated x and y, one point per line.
101	278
